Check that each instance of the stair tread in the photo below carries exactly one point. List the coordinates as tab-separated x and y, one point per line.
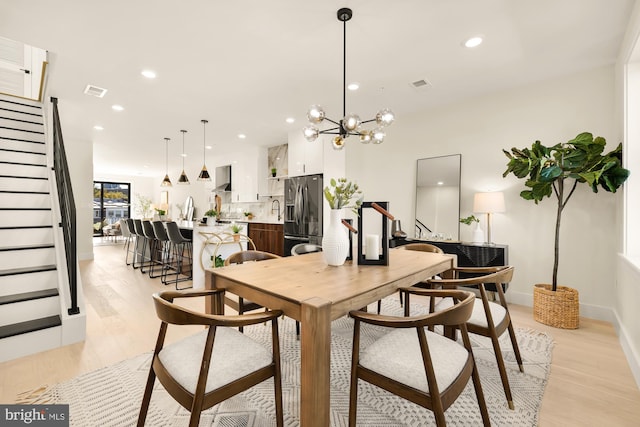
4	108
6	162
27	270
29	296
23	177
22	140
29	326
13	150
26	247
25	227
19	102
24	192
25	209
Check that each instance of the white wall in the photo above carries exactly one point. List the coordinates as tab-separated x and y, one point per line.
550	111
80	160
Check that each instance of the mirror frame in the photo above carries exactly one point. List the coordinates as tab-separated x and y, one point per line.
454	176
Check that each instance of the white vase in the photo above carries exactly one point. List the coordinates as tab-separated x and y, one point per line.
478	234
335	241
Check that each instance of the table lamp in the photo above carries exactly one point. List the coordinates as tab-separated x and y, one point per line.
491	202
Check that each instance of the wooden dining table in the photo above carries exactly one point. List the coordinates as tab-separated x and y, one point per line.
306	289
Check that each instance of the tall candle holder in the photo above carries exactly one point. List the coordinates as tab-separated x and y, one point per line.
382	259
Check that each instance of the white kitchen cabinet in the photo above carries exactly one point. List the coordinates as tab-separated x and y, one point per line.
305	158
244	176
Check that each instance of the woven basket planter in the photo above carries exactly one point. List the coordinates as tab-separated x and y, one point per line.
560	309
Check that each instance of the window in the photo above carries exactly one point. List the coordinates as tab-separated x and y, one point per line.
111	202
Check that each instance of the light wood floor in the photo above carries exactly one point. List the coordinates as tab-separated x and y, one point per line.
590	382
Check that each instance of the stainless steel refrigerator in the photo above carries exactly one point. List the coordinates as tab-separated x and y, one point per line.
303	200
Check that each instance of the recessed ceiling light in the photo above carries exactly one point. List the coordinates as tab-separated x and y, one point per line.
290	120
473	42
353	86
208	147
242	136
183	155
98	127
117	107
149	74
440	183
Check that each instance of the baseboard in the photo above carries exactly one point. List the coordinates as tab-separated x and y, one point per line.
590	311
85	256
633	358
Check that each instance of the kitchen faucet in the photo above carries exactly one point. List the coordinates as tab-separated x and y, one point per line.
277	208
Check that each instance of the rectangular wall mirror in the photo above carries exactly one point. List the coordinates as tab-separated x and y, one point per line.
438	198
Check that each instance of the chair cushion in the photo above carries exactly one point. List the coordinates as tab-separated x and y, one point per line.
234	356
397	356
478	317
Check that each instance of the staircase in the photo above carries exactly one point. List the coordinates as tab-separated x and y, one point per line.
31	307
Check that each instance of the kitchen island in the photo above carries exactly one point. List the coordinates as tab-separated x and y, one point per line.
212	240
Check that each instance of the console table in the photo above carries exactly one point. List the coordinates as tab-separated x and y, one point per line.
469	254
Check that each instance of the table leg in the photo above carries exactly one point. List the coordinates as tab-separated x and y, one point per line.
315	369
212	304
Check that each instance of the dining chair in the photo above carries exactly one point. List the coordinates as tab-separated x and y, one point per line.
305	248
238	303
418	365
424	247
489	319
204	369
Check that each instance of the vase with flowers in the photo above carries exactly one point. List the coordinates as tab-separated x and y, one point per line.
339	194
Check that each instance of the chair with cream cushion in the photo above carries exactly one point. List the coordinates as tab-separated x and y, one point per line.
423	247
414	363
489	319
213	365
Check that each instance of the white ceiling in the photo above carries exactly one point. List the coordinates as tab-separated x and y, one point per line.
247	65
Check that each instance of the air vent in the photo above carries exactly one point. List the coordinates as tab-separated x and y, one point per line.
421	84
94	91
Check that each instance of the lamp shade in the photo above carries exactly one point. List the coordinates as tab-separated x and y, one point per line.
488	202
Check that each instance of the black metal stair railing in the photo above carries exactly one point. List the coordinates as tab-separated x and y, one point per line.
67	206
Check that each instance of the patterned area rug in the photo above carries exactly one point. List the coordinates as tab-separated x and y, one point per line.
111	396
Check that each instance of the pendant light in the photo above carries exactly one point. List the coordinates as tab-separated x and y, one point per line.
166	182
350	124
204	173
183	176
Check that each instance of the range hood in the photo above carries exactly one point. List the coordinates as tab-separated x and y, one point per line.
223	178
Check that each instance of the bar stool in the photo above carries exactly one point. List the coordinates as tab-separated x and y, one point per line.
141	245
178	246
162	252
132	238
152	243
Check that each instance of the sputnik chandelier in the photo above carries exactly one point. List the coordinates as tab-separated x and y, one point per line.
350	123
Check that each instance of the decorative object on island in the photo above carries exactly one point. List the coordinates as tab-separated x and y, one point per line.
335	241
142	205
166	182
274	171
249	215
235	229
183	176
204	173
350	124
546	170
372	254
490	202
478	234
209	214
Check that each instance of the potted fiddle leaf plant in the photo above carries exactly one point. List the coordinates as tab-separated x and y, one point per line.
557	171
